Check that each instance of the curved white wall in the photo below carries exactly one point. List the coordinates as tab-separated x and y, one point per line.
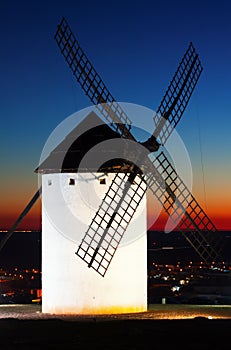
68	285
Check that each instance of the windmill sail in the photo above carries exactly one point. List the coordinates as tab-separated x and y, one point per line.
107	227
20	218
176	97
90	81
185	212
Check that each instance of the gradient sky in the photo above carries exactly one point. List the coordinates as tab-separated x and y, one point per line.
135	46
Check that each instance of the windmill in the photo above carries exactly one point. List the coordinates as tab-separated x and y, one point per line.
99	244
195	225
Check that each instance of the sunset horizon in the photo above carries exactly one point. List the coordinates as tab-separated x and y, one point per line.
137	59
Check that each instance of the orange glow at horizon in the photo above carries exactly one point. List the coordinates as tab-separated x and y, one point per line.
16	192
222	222
32	221
17	197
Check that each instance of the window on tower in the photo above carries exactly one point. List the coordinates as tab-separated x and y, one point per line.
102	181
71	182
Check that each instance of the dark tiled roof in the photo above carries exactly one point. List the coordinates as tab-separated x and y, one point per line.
67	156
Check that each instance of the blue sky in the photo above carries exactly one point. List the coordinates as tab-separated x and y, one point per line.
135	46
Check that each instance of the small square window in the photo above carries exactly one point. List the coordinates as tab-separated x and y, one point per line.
71	182
102	181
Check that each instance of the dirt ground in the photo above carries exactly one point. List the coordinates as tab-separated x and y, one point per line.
25	327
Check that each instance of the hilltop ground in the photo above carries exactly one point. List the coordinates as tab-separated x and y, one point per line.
165	326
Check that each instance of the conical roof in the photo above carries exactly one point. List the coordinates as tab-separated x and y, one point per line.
69	154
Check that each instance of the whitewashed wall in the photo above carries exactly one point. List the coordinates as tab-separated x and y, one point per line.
68	285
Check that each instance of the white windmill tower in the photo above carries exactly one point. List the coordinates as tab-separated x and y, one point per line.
82	282
72	191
